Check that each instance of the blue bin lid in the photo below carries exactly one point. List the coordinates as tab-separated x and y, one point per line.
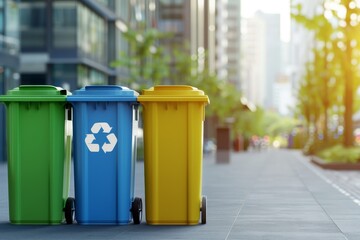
104	93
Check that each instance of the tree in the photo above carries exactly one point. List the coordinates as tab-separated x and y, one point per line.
146	60
336	30
349	27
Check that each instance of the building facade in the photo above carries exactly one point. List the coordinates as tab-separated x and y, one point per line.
254	65
193	25
234	43
9	60
262	49
301	44
72	43
273	55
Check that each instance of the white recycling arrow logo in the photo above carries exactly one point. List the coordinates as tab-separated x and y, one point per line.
106	147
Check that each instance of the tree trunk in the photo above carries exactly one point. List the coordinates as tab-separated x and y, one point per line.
326	95
348	98
349	85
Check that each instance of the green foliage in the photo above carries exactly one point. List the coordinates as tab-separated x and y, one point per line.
250	123
261	123
149	64
224	97
329	81
146	60
340	154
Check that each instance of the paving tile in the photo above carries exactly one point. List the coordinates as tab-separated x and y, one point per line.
258	195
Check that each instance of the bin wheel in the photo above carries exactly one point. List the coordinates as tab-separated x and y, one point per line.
203	210
136	210
69	210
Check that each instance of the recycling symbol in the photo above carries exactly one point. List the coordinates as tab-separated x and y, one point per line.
106	147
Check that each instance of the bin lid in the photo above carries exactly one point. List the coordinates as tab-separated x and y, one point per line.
35	93
173	93
103	93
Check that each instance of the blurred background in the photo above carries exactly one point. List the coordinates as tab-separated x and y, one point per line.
279	74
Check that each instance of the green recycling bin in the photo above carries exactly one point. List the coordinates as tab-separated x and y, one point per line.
39	142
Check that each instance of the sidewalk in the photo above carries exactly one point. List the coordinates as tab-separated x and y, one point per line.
274	194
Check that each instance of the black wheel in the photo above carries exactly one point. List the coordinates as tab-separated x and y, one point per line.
69	210
203	210
136	210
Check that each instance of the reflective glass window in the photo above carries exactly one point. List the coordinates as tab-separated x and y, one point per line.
32	24
122	9
64	75
107	3
89	76
92	35
64	24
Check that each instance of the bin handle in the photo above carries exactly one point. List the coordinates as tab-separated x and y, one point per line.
68	132
105	87
136	109
174	87
68	141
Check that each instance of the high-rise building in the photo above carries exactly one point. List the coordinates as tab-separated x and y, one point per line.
283	98
263	57
72	43
234	42
254	64
203	25
302	42
273	54
222	42
9	60
192	23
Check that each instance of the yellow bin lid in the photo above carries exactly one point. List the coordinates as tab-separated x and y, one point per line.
173	93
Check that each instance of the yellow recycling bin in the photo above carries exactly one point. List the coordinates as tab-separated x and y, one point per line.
173	139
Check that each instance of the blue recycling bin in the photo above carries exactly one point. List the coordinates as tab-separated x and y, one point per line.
105	121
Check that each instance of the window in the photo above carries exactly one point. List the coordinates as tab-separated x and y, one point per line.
32	19
122	45
11	78
110	4
89	76
122	9
92	35
64	24
12	19
64	75
1	16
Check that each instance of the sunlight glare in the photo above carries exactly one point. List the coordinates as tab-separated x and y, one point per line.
328	14
352	5
282	7
341	11
342	23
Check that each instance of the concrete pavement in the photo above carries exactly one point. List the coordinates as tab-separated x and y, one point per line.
275	194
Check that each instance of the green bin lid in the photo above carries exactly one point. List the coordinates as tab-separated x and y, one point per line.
35	93
172	93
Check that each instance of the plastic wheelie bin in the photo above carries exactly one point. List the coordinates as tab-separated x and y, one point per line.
105	123
173	138
38	154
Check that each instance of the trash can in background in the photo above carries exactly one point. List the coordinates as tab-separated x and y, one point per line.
173	137
38	166
105	123
223	145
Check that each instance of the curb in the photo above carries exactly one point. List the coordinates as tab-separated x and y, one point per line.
334	166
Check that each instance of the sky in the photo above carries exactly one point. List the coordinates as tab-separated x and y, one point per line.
249	7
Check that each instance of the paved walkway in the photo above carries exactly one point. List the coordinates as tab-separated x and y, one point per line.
274	194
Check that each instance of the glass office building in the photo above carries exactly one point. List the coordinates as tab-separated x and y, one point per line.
72	43
9	60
